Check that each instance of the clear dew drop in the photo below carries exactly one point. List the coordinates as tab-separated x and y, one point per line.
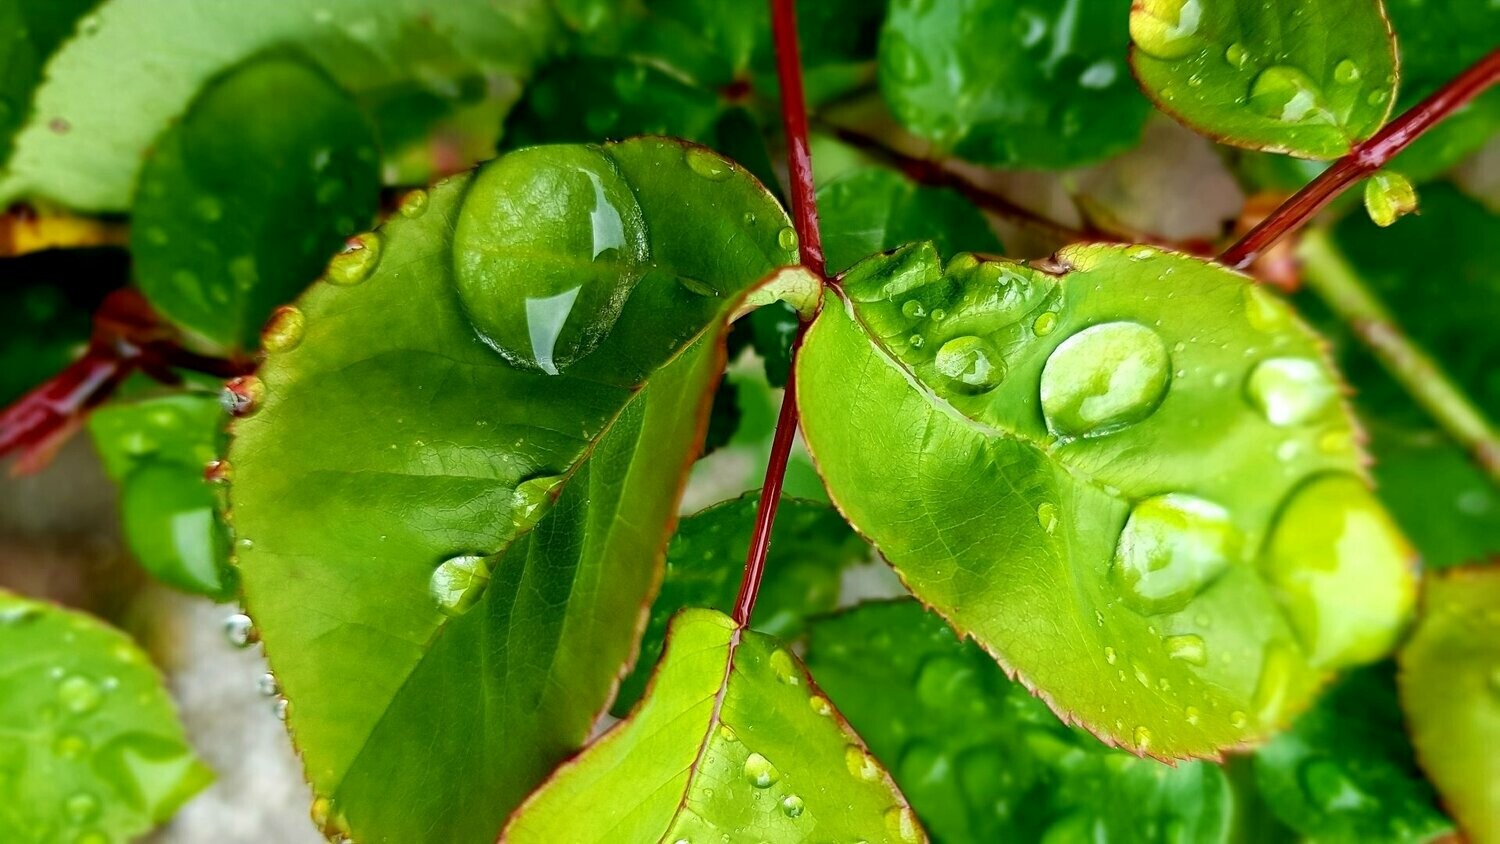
1142	738
1290	391
356	261
1100	74
1263	310
79	695
1046	517
820	705
283	709
1104	378
242	396
792	806
267	685
458	583
531	500
1172	547
785	667
727	733
1236	55
787	238
1191	714
1109	655
1166	29
971	364
1188	648
759	771
901	823
1285	93
913	309
283	332
240	631
708	164
414	204
1346	72
860	763
1044	323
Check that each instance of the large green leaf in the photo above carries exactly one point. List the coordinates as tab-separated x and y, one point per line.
732	739
156	449
448	550
981	759
1131	482
1309	79
30	32
217	243
90	747
1018	83
113	89
1345	771
1450	689
873	209
1446	503
810	546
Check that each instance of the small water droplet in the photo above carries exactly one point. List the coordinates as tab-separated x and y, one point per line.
1044	323
1172	547
792	806
1104	378
785	667
1166	29
283	332
459	582
414	204
708	164
267	685
357	261
1046	516
240	631
860	763
901	823
242	396
1285	93
820	705
1264	310
912	309
759	771
1346	72
283	709
971	364
1238	719
79	695
1188	648
1237	55
1290	391
727	733
1192	714
1142	738
1100	74
787	238
1109	655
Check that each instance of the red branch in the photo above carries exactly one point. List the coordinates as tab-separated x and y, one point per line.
1364	159
805	219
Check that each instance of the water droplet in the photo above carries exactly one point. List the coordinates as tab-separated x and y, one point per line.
531	500
79	695
727	733
414	204
916	341
1100	74
1330	787
1237	55
1192	714
792	806
267	685
708	164
1188	648
901	823
1290	391
1142	738
972	364
1109	655
1376	97
1346	72
242	396
1264	310
458	583
1046	516
787	238
240	631
1044	323
356	261
1172	547
1285	93
282	708
860	763
284	330
1104	378
785	667
912	309
1277	674
820	705
81	807
1238	719
1341	568
759	771
1165	29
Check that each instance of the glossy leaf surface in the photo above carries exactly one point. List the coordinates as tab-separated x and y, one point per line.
1345	771
217	241
1448	506
479	537
873	209
112	91
1048	436
1016	83
30	31
90	747
1309	79
810	546
981	759
1450	689
156	450
732	739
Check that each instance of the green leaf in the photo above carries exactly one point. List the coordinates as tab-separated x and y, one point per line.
980	758
1345	771
1029	451
444	546
30	31
1450	689
1447	505
90	747
810	546
156	449
1017	83
873	209
1306	79
731	738
111	92
46	307
217	246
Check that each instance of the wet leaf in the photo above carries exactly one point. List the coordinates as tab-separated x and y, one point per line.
218	244
1016	83
980	758
110	94
1345	770
872	209
156	450
30	31
732	737
1132	483
1282	76
1447	505
810	546
91	749
1450	689
479	536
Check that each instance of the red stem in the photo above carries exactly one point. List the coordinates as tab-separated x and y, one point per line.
1364	159
805	219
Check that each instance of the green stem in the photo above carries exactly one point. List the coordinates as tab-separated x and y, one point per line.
1329	275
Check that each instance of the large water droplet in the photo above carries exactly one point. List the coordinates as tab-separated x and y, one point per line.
458	583
1341	568
759	771
1166	28
1187	647
240	630
242	396
414	204
1285	93
356	261
792	806
786	238
1104	378
708	164
283	332
971	364
531	500
860	763
1171	548
1290	391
